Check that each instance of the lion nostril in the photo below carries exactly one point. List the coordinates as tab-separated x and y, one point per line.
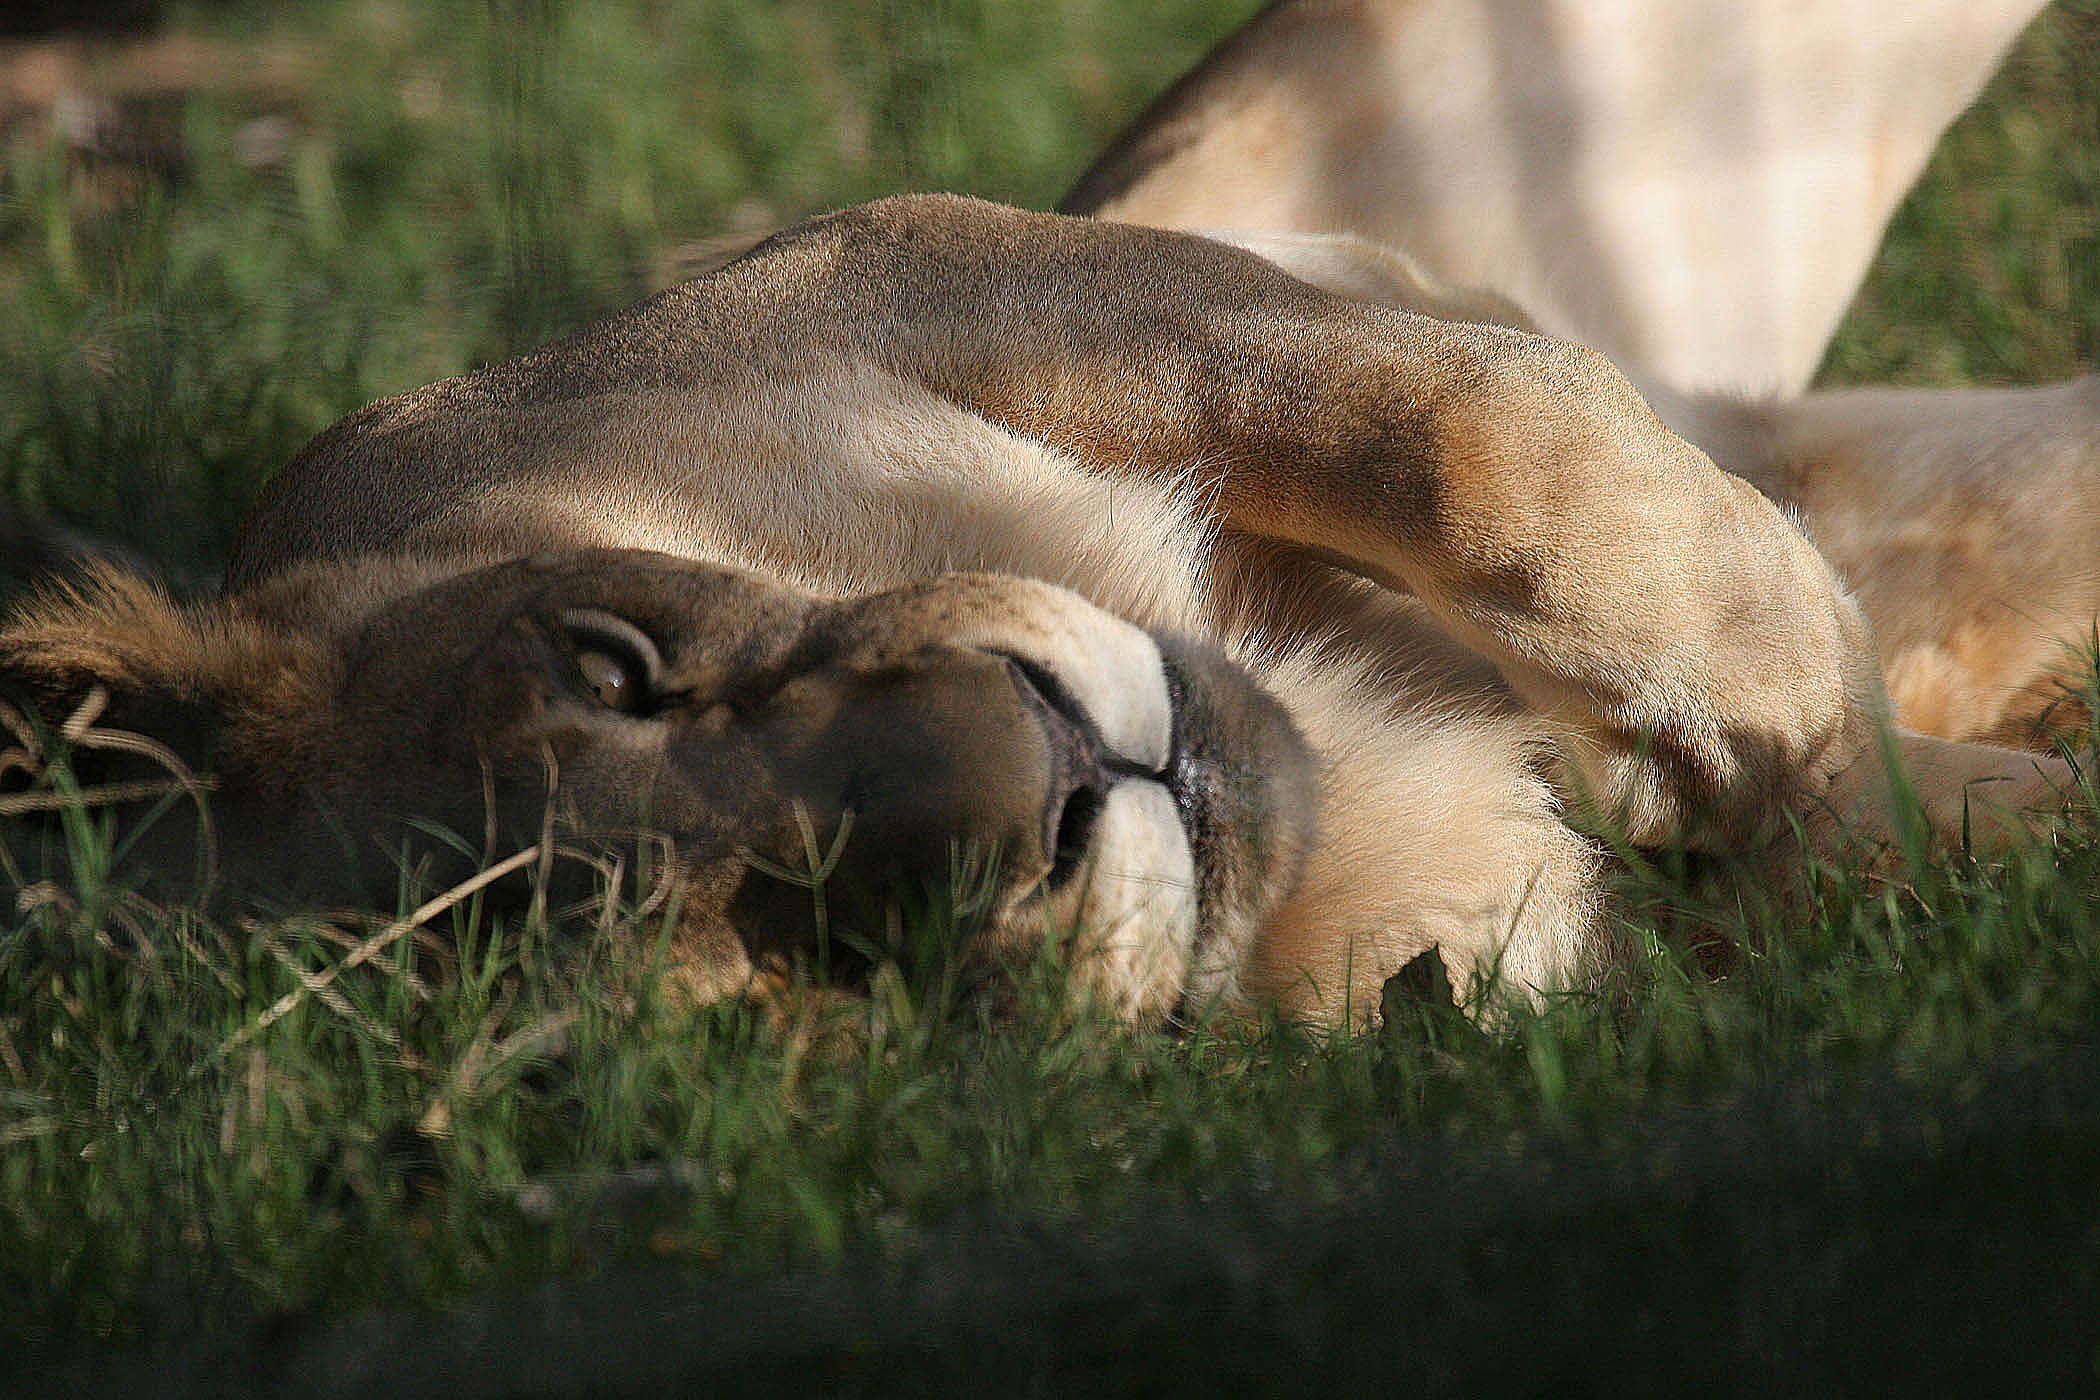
1073	833
1079	776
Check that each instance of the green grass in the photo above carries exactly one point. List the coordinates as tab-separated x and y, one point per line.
1847	1147
1860	1147
1990	272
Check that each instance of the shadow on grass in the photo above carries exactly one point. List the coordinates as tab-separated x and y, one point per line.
1842	1233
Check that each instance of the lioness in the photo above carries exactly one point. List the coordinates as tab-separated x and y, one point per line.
1260	631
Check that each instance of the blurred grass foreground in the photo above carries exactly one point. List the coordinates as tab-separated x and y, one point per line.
1856	1151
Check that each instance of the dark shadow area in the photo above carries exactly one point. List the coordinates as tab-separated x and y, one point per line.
1832	1234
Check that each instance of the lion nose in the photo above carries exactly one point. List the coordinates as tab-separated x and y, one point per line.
1082	768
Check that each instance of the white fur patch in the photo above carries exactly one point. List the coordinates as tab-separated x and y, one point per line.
1137	921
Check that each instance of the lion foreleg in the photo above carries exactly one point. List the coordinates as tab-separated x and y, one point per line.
1700	654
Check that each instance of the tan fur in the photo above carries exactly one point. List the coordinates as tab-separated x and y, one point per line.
1963	520
1693	187
1709	252
1443	835
1966	522
114	629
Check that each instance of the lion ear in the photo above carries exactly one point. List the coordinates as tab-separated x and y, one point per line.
113	654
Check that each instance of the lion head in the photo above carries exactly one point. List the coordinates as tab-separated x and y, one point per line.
1135	794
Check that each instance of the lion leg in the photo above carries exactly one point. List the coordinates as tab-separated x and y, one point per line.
1697	653
1982	795
1443	129
1963	519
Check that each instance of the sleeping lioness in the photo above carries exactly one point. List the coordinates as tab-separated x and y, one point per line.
1289	621
1254	637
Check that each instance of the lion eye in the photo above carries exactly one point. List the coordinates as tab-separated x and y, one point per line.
609	681
615	660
